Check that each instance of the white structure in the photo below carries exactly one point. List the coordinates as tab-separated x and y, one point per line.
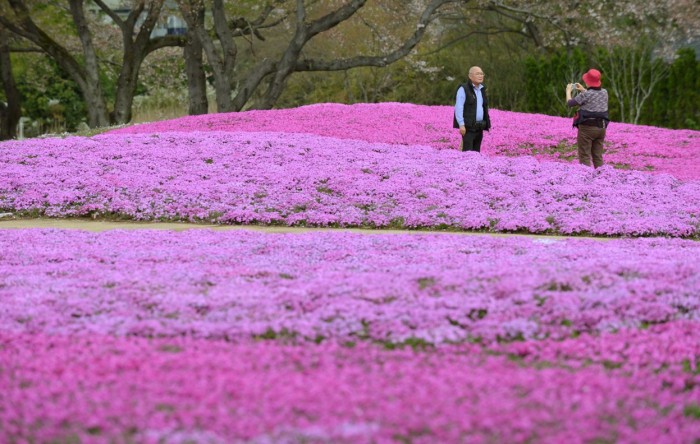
172	25
20	127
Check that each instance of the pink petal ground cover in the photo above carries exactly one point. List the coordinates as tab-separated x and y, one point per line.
105	389
219	337
385	289
636	147
152	336
302	179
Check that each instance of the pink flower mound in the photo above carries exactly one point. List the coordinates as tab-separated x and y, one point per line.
397	123
636	147
383	288
104	389
301	179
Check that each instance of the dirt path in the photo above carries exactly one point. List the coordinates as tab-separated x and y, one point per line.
98	225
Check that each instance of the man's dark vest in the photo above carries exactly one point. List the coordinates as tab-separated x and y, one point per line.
469	112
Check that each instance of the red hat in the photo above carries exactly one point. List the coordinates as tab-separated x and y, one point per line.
592	78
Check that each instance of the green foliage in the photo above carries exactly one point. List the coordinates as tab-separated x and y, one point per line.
692	411
49	97
631	74
676	102
691	367
546	77
672	104
417	344
161	91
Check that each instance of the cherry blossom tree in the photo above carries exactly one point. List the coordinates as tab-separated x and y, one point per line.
631	42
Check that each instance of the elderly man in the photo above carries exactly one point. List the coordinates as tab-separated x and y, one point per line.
471	114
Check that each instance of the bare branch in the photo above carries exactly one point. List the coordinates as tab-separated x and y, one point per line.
381	60
165	42
113	15
334	18
301	13
467	36
25	50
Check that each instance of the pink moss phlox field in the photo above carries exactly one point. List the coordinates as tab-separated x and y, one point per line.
303	179
655	347
239	336
105	389
636	147
313	287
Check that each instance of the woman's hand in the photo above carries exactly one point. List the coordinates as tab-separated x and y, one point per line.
569	88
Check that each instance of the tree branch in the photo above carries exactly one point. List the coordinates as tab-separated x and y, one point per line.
251	83
466	36
28	29
381	60
144	35
113	15
332	19
301	14
165	42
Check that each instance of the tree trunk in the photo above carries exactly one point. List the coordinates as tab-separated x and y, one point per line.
10	114
126	86
229	52
136	47
196	80
134	55
94	96
252	82
222	85
222	59
193	13
88	82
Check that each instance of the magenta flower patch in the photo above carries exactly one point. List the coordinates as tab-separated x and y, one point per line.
103	389
301	179
636	147
387	289
330	336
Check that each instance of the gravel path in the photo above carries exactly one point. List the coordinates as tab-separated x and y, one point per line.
101	225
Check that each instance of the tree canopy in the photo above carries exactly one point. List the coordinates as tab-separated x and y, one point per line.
261	54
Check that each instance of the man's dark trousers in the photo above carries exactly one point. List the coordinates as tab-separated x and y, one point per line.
471	140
